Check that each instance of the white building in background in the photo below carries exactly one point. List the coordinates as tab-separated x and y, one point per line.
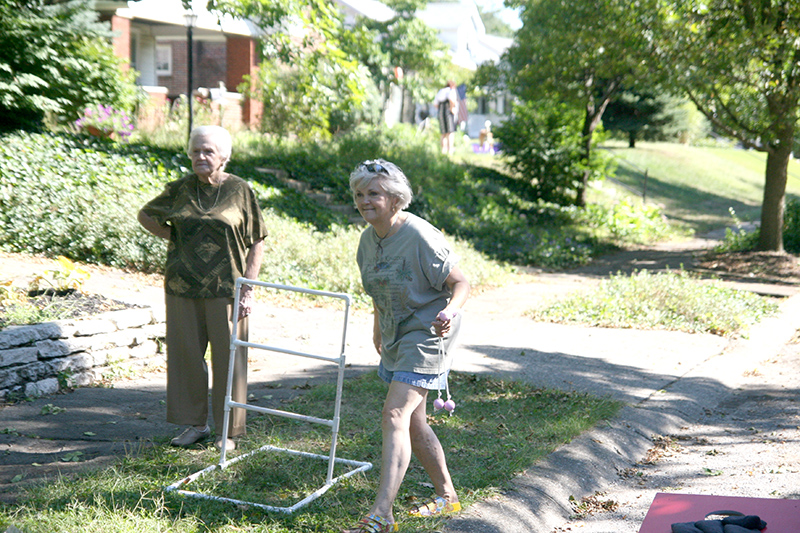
460	27
151	36
371	9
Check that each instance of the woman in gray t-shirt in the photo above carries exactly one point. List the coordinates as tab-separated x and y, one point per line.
417	292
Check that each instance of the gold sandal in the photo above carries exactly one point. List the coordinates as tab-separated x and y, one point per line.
435	506
373	524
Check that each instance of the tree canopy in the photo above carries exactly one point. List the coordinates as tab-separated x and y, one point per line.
406	42
581	53
306	76
739	62
56	57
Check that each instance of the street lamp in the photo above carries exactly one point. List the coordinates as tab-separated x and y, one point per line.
189	20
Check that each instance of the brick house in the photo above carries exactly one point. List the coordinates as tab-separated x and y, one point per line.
152	36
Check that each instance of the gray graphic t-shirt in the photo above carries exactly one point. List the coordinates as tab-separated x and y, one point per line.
405	276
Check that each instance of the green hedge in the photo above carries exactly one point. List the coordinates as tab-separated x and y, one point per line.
71	195
77	196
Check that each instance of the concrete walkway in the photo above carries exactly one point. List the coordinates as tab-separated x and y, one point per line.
728	410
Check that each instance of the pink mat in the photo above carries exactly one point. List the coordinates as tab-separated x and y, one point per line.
781	516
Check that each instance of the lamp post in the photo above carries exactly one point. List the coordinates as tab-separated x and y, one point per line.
189	19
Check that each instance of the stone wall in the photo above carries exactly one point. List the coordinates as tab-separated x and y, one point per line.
39	359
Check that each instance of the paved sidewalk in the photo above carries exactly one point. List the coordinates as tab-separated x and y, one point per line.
707	394
715	417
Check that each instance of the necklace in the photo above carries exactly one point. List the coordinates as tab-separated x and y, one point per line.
381	239
197	186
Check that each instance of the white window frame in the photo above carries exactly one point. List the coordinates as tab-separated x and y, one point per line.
164	59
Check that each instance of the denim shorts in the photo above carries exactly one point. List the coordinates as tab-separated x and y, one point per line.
423	381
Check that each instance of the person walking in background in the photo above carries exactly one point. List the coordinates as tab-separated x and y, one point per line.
486	138
417	291
215	233
446	102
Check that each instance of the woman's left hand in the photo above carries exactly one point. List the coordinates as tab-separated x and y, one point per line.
443	321
245	301
459	287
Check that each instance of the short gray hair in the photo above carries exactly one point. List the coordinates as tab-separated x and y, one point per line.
218	135
388	174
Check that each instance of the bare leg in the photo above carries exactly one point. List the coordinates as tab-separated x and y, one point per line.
401	401
428	450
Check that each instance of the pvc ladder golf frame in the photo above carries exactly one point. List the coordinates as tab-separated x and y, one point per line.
359	466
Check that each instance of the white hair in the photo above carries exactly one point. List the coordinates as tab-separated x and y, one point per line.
389	175
218	135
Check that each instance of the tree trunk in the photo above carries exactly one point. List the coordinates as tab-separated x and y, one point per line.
631	139
590	123
780	152
771	233
580	197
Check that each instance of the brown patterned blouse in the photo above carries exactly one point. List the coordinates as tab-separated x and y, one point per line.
212	228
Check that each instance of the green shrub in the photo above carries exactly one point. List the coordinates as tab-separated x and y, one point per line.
544	146
78	197
791	227
628	222
56	57
738	240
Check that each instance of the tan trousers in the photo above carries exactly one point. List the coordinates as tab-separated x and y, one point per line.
193	323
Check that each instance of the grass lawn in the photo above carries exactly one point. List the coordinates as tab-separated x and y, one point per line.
499	429
698	185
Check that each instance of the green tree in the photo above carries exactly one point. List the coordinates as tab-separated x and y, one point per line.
406	42
55	57
739	62
652	115
494	24
636	115
306	76
542	143
582	53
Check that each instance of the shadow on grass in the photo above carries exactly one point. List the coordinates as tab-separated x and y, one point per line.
500	428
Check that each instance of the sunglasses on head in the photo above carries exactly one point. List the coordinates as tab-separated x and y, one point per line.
375	168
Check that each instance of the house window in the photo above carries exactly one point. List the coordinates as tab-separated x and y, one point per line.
134	50
483	107
164	60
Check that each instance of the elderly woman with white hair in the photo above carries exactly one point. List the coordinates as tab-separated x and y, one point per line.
417	291
215	233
